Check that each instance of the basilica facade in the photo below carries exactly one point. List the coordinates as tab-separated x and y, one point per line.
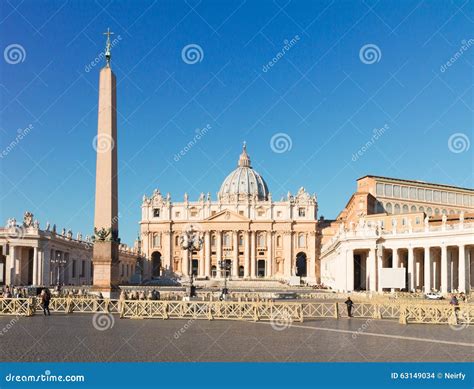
244	228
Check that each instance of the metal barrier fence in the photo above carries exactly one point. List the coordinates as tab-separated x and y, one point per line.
286	311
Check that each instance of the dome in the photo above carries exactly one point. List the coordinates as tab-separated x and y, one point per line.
244	181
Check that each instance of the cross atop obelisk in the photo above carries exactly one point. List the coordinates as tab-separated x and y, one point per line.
106	243
108	47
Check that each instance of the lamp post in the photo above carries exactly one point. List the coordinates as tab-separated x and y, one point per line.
225	266
190	241
58	261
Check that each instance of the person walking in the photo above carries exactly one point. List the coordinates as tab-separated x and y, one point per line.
349	305
45	299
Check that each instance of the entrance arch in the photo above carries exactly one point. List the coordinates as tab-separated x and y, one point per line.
261	268
156	264
301	268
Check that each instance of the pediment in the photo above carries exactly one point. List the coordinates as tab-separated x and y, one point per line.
227	216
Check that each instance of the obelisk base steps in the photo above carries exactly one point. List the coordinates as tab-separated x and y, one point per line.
106	269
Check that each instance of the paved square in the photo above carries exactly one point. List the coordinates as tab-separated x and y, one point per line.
75	337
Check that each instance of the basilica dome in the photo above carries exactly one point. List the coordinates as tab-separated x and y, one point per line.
244	181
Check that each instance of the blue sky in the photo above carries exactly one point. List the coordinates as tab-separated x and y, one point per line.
322	93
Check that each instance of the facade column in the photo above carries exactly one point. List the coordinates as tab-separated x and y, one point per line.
395	259
427	267
462	269
269	269
10	265
444	269
372	269
349	270
312	254
185	262
218	253
287	249
201	263
253	250
167	250
207	254
411	269
35	266
235	262
247	254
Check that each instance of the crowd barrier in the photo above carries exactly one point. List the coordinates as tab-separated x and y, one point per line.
263	310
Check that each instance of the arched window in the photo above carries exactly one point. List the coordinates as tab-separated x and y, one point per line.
421	209
405	208
397	208
436	211
444	212
261	240
301	240
388	207
413	208
241	240
213	240
226	240
429	211
278	241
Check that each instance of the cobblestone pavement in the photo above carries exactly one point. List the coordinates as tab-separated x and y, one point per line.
102	337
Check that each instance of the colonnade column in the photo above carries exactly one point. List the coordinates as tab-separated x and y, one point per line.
444	269
287	253
427	266
10	264
253	249
411	269
35	266
207	254
349	270
379	267
247	254
218	253
395	259
462	269
235	261
372	271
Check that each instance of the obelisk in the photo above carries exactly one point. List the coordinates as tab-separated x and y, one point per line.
106	242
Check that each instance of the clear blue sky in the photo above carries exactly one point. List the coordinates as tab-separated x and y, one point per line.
319	93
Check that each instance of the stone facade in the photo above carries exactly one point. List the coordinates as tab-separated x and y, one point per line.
30	255
427	229
259	237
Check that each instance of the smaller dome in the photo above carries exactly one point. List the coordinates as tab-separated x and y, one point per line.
244	181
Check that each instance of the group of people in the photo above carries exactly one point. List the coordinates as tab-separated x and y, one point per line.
135	295
13	292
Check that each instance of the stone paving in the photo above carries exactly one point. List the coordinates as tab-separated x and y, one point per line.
102	337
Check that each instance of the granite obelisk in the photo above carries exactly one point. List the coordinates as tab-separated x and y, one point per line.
106	242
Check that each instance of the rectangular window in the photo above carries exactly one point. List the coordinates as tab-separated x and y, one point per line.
301	212
458	199
413	193
417	220
421	194
444	197
241	213
278	213
404	192
466	200
396	191
177	214
428	195
451	198
156	212
388	190
379	189
194	213
437	196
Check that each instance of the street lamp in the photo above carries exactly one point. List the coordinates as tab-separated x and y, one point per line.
191	241
225	266
59	261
